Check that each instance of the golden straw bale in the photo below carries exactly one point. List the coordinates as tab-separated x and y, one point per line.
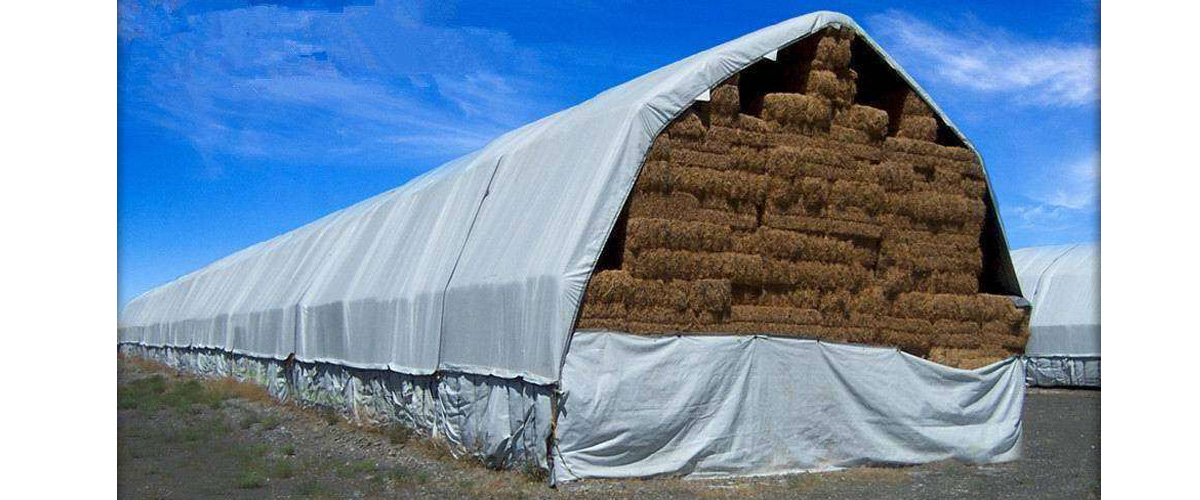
684	207
798	111
894	176
767	314
832	54
915	106
676	264
839	91
737	158
724	138
775	219
804	193
612	286
918	147
803	298
659	293
868	196
733	185
710	295
660	150
724	104
645	328
792	245
815	275
678	235
871	121
922	128
943	282
936	208
615	324
687	127
607	310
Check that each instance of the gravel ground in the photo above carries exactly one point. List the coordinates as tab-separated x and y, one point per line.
181	439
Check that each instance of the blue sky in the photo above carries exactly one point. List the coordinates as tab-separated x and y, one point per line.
238	121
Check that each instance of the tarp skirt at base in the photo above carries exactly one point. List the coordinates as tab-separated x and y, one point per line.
1062	371
503	422
713	406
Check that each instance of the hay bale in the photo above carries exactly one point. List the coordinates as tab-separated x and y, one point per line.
676	264
799	195
798	111
847	229
937	208
916	344
869	197
768	314
714	295
657	176
787	162
612	286
922	128
660	150
791	245
832	54
918	147
602	310
614	324
930	255
732	185
658	293
839	91
914	105
687	127
677	235
645	328
946	282
737	158
724	104
682	319
813	275
871	121
894	176
741	135
851	143
872	301
802	298
684	207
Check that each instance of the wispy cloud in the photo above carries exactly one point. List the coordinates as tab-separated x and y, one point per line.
983	59
355	85
1068	200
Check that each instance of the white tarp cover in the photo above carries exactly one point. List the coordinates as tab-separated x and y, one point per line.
1063	284
476	267
708	406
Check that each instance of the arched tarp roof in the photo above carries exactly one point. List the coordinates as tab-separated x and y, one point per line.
478	266
1063	283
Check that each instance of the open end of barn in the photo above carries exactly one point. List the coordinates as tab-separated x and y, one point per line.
648	285
817	196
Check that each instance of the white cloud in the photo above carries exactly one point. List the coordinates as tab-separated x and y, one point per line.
363	85
990	60
1068	199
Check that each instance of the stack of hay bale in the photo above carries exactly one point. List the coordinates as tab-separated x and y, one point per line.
822	219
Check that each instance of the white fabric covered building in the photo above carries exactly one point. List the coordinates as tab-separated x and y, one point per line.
449	304
1063	283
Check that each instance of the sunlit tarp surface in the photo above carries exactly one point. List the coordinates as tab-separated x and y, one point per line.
1063	283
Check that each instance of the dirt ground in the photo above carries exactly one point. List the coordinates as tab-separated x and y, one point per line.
179	437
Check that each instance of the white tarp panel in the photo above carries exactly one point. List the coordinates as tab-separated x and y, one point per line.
502	422
707	406
477	267
1063	283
